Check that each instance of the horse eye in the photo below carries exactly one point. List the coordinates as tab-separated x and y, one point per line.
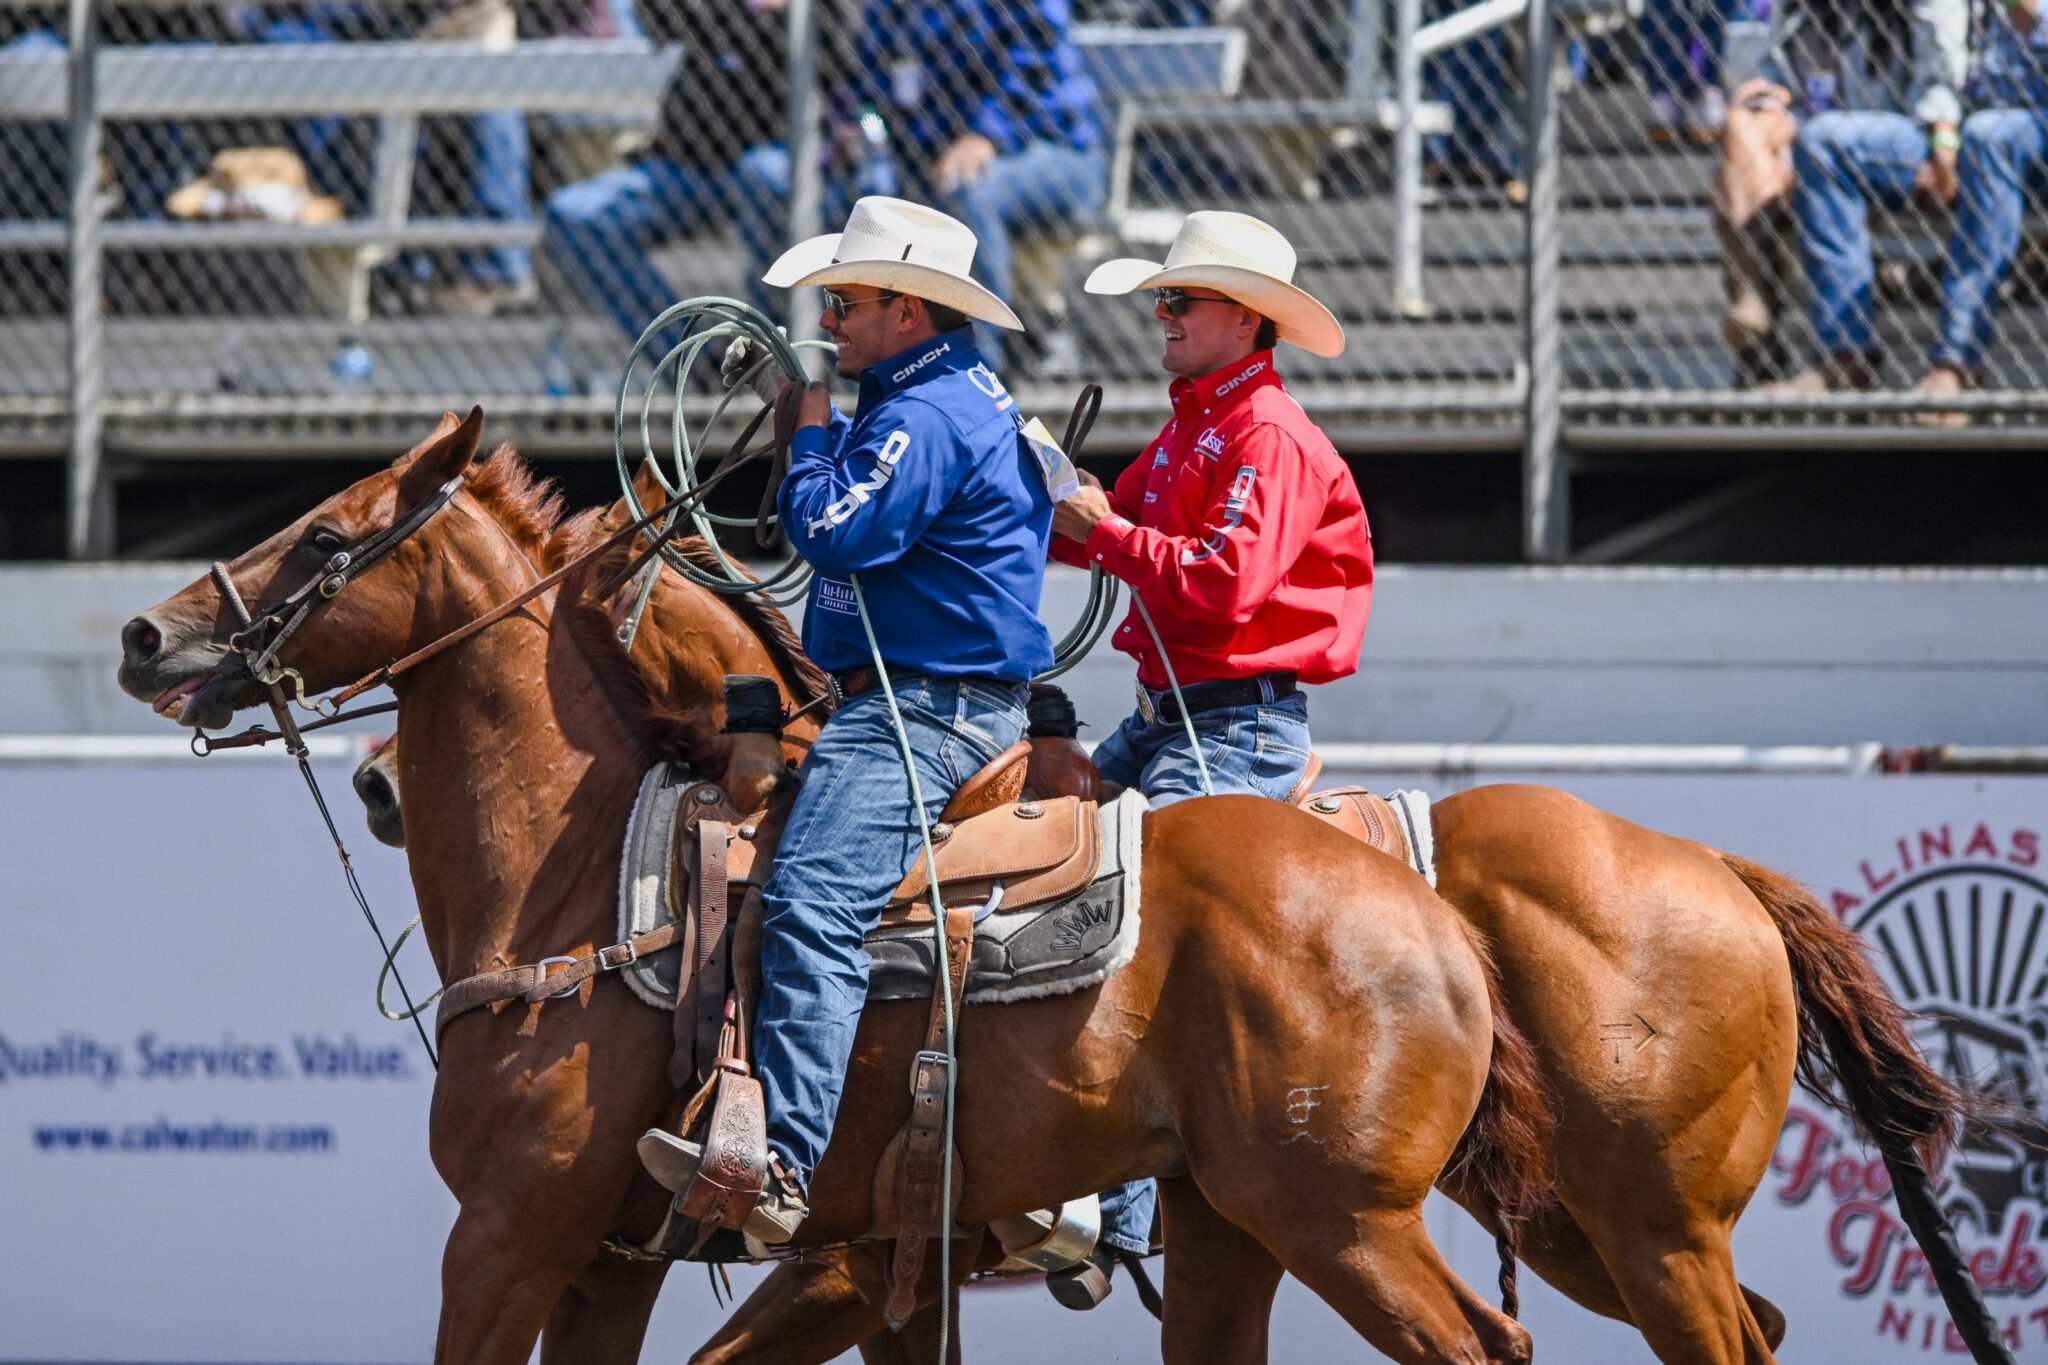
325	539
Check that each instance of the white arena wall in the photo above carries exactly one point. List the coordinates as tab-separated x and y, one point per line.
1618	656
212	1149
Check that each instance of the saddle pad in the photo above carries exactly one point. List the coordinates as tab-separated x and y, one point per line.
1065	945
1055	948
644	874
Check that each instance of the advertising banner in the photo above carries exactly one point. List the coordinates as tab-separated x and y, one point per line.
212	1148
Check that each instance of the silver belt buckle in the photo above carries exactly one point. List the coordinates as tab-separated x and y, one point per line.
1145	707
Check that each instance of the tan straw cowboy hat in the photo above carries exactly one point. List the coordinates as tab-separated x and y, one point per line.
899	246
1239	256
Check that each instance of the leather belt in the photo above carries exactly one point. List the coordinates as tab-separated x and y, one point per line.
854	681
1215	696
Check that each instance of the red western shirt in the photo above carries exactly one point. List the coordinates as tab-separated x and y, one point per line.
1244	532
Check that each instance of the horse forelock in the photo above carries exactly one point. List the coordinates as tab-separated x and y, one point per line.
658	734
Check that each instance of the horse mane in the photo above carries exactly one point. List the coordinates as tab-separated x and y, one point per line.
524	503
764	619
767	622
659	734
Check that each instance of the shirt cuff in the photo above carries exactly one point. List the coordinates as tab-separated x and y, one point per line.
808	442
1107	537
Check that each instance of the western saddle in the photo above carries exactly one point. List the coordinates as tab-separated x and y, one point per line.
1026	821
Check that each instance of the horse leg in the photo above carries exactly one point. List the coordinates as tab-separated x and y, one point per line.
814	1309
602	1315
918	1342
1379	1270
1557	1248
1220	1282
496	1295
1682	1295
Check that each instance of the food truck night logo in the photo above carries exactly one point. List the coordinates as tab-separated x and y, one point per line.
1956	919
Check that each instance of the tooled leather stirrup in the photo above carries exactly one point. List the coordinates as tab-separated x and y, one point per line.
734	1168
922	1150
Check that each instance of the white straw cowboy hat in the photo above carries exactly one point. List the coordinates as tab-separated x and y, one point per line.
901	247
1239	256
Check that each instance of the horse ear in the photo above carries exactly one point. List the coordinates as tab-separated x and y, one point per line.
647	487
441	456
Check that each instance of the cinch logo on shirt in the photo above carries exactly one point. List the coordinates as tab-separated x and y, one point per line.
1209	443
858	495
836	596
1227	385
914	366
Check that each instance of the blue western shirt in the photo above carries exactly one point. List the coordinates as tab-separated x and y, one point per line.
929	494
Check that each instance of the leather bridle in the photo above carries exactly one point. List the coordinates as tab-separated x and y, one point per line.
260	637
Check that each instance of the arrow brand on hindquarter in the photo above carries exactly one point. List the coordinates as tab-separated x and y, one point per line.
1625	1032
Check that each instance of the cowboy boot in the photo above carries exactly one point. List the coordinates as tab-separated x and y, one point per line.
673	1162
1085	1283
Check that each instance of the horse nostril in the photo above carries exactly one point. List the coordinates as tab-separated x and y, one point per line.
141	641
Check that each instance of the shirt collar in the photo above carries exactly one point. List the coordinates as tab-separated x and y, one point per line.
1225	387
918	364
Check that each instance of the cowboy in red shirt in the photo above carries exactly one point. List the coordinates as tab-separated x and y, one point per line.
1241	532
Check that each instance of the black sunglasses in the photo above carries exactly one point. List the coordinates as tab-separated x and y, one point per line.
1176	302
840	306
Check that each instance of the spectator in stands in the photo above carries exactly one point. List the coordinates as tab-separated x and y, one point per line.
1686	99
1476	79
1977	150
729	100
488	164
980	106
1822	56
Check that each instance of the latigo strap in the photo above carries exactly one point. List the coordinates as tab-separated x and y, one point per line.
923	1152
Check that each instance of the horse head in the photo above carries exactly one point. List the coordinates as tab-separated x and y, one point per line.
319	581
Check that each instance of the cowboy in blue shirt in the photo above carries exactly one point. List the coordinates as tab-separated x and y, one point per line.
927	508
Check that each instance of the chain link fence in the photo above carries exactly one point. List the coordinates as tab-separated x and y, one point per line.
314	209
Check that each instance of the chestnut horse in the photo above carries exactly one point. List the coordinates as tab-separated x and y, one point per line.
1594	919
1668	990
1308	963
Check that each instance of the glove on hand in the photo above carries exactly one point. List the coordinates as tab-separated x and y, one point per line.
747	364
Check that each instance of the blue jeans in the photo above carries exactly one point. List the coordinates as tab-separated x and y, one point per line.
599	232
1844	161
1475	79
495	144
1041	185
850	838
1260	750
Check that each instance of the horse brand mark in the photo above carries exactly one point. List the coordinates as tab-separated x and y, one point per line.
1626	1032
1302	1102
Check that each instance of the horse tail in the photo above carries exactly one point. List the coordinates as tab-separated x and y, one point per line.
1854	1049
1503	1157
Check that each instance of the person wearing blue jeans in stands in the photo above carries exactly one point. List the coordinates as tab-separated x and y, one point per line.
725	106
1685	101
1983	168
496	166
